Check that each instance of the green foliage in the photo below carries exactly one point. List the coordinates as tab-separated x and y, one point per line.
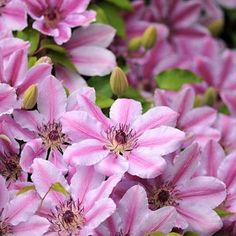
104	102
59	188
123	4
100	14
25	189
222	212
173	79
190	233
30	35
32	61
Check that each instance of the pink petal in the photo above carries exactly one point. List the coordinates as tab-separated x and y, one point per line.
87	152
23	207
125	111
42	27
201	219
35	8
71	5
212	156
162	220
45	174
78	125
35	226
64	34
16	68
85	179
101	210
205	190
32	149
145	163
202	116
186	164
35	75
4	196
153	118
227	170
93	60
132	208
55	105
163	139
95	34
101	192
229	97
112	164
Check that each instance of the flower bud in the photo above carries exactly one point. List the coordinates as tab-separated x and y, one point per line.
198	101
134	44
210	96
44	59
30	97
216	27
118	81
149	37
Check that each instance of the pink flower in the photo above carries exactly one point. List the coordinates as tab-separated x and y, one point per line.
196	122
56	19
128	141
12	15
17	216
133	217
84	206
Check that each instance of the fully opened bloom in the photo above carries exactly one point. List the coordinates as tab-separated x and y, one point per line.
81	207
133	217
56	18
128	141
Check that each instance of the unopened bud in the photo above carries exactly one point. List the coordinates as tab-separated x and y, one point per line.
198	101
118	81
44	59
149	37
134	44
210	96
216	27
30	97
5	138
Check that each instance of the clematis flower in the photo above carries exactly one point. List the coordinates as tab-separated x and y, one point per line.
82	207
56	19
196	122
133	217
48	140
17	215
194	198
128	141
12	15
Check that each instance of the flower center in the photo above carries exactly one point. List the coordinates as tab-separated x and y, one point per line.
121	139
53	137
5	228
165	195
68	218
52	17
10	167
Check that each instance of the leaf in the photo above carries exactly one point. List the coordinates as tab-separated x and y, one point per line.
104	102
32	61
173	234
25	189
222	213
173	79
190	233
100	14
62	59
30	35
114	18
123	4
59	188
54	47
101	85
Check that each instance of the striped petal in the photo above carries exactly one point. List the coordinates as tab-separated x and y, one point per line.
4	197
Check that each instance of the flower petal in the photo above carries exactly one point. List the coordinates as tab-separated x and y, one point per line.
4	197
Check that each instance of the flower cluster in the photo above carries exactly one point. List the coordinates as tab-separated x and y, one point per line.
152	153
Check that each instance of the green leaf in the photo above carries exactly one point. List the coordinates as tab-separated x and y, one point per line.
32	61
100	14
224	109
173	234
222	213
62	59
190	233
114	18
123	4
173	79
30	35
101	85
104	102
54	47
59	188
25	189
